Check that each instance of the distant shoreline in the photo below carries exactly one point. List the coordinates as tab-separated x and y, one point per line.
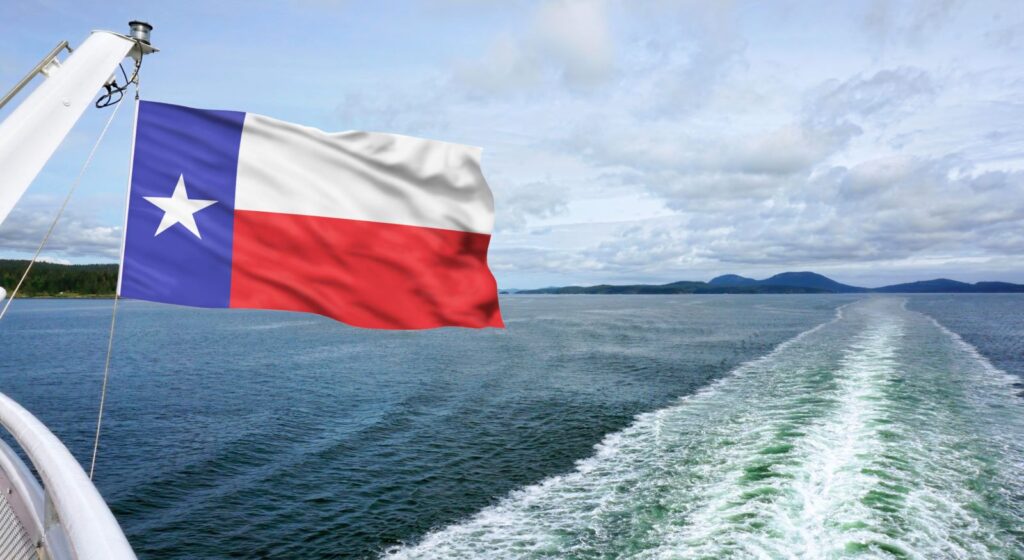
76	296
870	293
784	283
99	281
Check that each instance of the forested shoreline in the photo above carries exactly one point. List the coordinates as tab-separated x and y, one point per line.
59	280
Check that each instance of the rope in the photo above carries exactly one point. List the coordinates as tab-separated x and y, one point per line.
103	391
117	298
60	212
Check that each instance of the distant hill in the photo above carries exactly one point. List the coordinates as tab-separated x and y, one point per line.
998	287
810	280
945	285
59	280
816	283
683	287
785	283
100	280
732	280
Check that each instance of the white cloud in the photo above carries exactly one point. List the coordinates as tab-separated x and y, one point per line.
576	34
857	169
838	110
532	200
567	41
77	235
907	22
882	210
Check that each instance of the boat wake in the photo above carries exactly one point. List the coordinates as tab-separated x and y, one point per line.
878	434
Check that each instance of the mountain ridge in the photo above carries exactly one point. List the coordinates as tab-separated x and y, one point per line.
803	282
100	280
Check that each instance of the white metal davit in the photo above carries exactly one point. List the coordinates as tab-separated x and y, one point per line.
34	130
52	511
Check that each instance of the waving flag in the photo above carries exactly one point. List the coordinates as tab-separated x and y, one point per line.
231	209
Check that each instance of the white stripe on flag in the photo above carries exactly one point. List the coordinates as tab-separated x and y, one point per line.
370	176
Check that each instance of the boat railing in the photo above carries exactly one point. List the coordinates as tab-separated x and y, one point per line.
61	514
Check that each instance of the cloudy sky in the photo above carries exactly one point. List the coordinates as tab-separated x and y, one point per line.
625	141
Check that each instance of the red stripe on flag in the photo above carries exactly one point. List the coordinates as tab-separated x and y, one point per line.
366	274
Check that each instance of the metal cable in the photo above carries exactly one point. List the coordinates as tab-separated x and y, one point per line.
60	211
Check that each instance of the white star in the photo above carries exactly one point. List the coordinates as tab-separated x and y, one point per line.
179	209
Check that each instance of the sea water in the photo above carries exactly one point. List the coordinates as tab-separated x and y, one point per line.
725	426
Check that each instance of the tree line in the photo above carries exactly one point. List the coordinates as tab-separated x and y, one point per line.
59	280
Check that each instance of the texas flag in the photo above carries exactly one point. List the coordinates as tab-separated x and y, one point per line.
231	209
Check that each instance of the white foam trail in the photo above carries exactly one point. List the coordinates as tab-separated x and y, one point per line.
818	488
862	436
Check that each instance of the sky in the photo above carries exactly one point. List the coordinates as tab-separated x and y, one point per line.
625	141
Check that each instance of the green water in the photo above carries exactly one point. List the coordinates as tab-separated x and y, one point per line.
880	434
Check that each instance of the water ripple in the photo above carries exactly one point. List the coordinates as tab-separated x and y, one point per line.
879	434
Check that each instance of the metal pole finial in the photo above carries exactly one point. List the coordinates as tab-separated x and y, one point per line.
140	31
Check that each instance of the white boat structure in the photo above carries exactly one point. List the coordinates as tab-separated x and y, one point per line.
52	511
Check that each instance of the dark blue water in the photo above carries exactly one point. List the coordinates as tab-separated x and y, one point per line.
264	434
993	323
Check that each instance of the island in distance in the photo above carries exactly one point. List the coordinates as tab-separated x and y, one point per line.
100	280
785	283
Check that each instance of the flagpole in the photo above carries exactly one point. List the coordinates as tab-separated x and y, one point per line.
128	190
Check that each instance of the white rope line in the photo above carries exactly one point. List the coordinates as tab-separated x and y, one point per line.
117	296
103	391
60	212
